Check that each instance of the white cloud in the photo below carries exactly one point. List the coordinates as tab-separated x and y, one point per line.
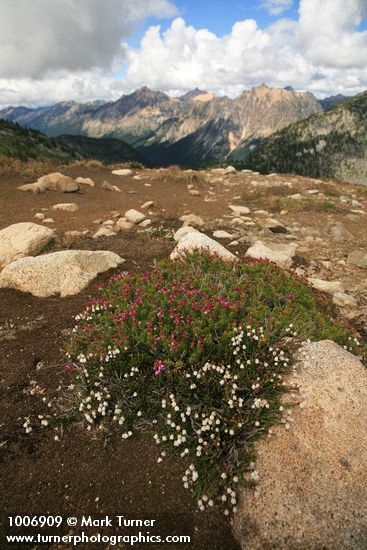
183	57
276	7
326	32
323	52
38	37
81	87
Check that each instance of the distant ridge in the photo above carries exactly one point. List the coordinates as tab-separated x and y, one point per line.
28	144
193	130
107	150
332	101
331	144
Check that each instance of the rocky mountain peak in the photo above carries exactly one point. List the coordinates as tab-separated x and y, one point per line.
197	95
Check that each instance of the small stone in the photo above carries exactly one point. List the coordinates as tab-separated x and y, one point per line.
85	181
344	300
326	286
104	232
122	172
122	225
220	234
133	216
66	207
147	204
107	186
281	254
192	220
358	258
239	210
145	223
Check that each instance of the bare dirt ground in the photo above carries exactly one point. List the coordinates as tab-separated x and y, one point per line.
78	474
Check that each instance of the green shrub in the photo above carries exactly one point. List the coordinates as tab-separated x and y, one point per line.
135	164
195	351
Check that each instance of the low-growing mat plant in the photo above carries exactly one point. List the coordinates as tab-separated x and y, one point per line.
195	352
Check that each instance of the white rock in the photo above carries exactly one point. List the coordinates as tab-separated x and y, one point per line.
145	223
39	216
65	273
326	286
23	239
313	477
66	207
104	232
133	216
193	220
358	258
194	240
122	224
230	170
48	220
239	210
281	254
147	204
54	181
238	222
220	234
85	181
122	172
183	231
344	300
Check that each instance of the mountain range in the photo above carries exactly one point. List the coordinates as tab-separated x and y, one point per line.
193	130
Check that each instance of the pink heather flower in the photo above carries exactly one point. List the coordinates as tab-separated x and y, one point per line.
158	367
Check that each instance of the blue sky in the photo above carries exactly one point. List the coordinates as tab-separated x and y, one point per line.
218	16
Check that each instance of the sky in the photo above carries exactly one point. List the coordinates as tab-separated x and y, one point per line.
83	50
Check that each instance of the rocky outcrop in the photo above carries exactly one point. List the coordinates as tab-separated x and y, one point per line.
54	182
64	273
312	489
23	239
